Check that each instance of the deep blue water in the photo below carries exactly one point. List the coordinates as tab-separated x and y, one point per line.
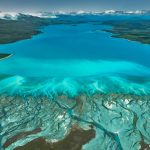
81	50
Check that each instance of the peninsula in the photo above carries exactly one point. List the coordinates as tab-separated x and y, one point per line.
134	30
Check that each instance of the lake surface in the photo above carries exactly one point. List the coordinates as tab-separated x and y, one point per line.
76	75
81	51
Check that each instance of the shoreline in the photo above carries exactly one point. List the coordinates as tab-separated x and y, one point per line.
5	57
129	30
30	26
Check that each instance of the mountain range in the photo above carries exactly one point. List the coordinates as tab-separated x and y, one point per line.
15	15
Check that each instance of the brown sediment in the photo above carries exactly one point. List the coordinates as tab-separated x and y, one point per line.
73	141
143	144
20	136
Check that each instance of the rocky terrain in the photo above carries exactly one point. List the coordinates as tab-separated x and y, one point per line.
111	121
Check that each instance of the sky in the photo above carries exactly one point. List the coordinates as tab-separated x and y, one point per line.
72	5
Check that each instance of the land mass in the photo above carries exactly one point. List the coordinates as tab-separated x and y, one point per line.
23	28
3	56
134	30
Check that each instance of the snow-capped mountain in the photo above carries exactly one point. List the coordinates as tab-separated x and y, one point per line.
9	15
15	15
107	12
54	14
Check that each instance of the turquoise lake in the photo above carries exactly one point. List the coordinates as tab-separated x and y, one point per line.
76	76
66	56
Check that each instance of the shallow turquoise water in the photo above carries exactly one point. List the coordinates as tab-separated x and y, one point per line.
76	52
76	61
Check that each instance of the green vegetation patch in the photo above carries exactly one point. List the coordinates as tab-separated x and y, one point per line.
23	28
135	30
